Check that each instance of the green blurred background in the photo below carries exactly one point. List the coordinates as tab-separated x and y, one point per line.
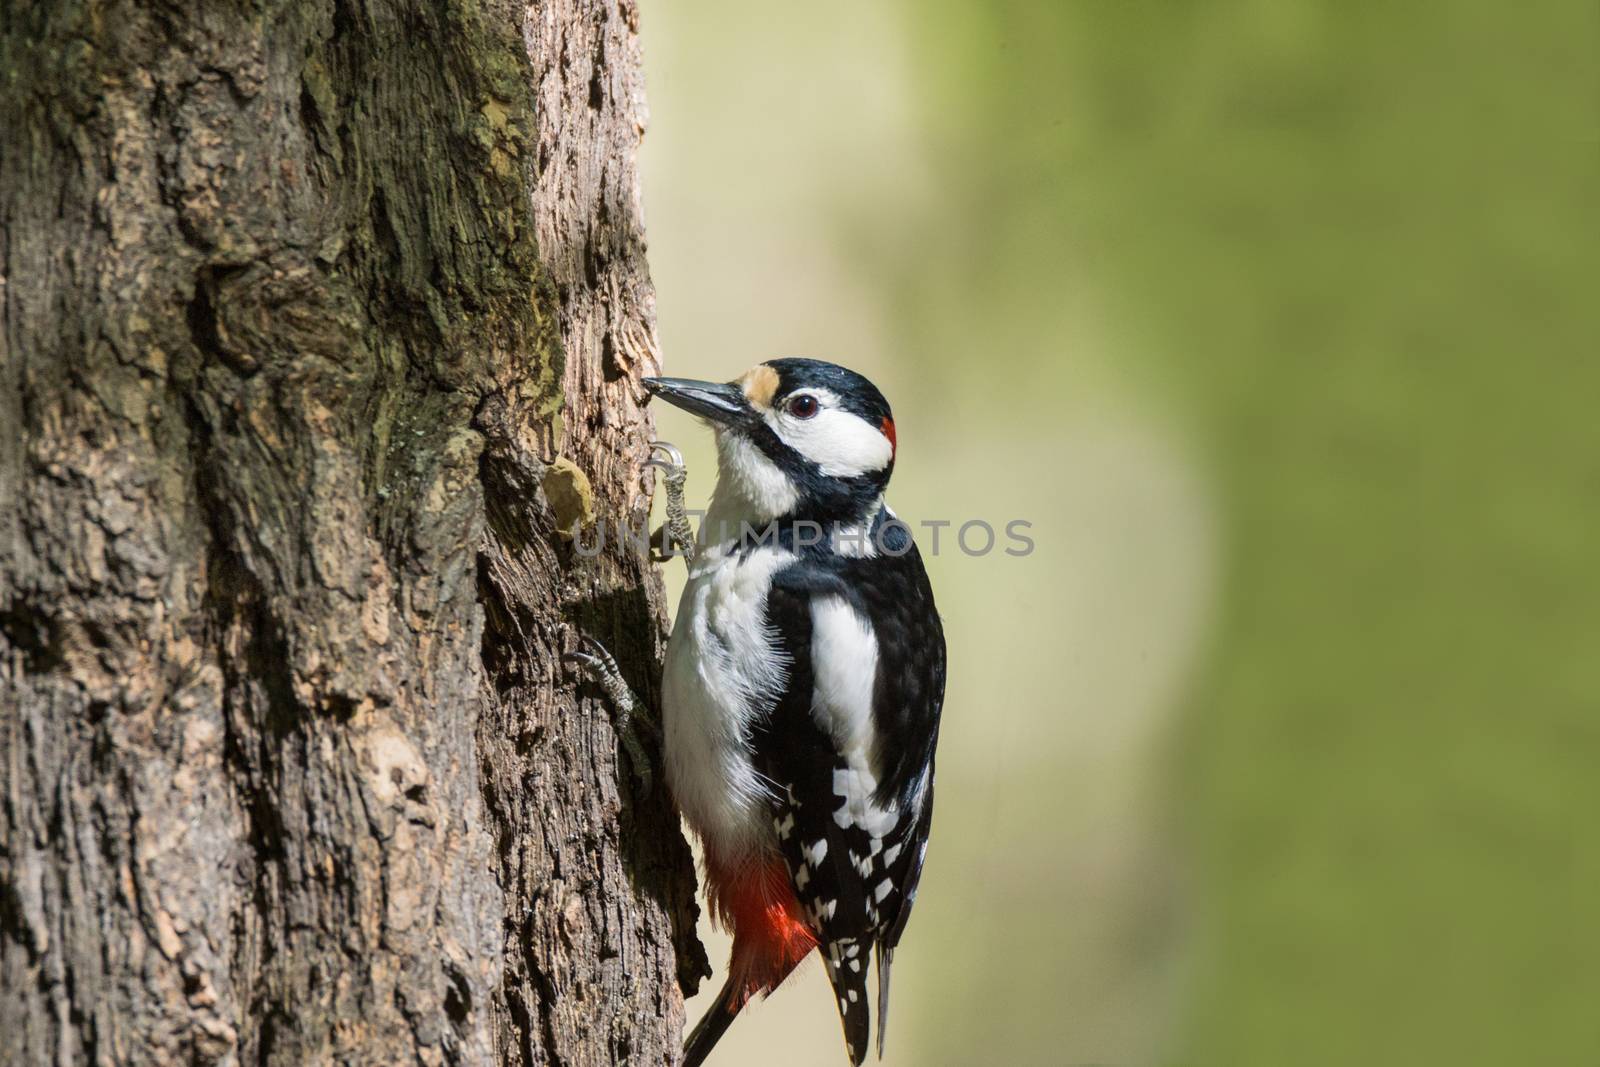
1277	320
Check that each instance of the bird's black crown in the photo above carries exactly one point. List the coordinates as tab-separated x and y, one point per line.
855	392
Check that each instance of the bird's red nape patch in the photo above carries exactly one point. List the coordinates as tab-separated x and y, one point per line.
770	932
887	426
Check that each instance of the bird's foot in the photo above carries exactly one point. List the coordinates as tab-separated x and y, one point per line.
676	538
630	715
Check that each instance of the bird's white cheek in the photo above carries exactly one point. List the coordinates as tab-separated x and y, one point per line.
842	445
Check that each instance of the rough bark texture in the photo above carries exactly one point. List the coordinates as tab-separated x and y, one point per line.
290	769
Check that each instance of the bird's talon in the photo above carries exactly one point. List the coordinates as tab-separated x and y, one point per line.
674	458
628	712
666	457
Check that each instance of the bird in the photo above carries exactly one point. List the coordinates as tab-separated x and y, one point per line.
802	688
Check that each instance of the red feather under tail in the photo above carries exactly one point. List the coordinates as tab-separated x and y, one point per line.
770	932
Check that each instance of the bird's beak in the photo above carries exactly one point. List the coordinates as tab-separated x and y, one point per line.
723	404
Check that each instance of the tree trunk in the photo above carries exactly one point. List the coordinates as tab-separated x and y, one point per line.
290	768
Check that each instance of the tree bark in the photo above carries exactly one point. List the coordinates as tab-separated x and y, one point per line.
322	321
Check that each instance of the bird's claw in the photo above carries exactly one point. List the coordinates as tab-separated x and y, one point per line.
593	654
628	711
678	536
673	462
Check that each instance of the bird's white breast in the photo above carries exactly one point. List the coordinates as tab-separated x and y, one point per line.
724	666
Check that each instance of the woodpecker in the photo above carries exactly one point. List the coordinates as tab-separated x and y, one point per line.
802	688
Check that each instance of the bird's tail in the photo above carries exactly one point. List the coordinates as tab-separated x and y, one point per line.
885	957
712	1025
846	960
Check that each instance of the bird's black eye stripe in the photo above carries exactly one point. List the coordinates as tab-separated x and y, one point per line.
802	405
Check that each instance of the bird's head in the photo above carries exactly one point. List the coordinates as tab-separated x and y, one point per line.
796	439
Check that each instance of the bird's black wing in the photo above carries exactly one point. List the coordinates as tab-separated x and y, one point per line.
853	833
908	699
892	590
799	760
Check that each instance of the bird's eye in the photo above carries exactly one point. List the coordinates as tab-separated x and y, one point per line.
803	406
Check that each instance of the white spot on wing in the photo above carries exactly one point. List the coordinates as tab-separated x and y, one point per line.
844	662
856	784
